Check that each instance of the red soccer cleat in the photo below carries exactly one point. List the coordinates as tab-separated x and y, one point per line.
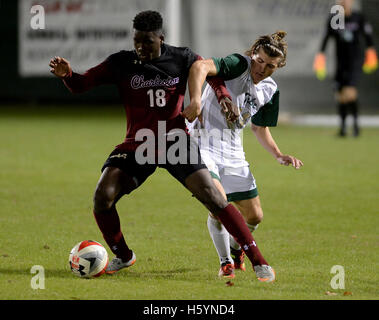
226	270
238	258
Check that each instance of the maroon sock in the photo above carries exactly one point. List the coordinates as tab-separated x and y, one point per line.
109	224
233	221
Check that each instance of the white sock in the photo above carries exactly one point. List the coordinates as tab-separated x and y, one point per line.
220	237
234	244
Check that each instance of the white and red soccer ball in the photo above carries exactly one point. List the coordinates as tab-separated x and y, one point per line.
88	259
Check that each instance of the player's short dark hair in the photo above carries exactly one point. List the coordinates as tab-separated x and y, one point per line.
148	21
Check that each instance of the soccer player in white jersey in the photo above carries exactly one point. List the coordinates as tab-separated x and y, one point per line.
253	97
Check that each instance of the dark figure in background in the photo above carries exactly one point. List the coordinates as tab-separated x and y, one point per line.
349	61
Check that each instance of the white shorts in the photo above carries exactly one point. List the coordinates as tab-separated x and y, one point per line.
238	182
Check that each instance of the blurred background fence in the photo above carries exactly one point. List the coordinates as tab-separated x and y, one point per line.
87	31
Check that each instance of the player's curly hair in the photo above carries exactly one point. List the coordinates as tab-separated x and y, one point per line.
273	45
148	21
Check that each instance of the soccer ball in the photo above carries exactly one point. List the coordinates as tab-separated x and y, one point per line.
88	259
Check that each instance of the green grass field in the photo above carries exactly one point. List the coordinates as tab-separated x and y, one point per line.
323	215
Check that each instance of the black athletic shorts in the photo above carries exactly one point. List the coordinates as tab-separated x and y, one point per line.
348	74
347	79
130	163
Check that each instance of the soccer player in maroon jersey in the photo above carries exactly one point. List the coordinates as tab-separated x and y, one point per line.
152	82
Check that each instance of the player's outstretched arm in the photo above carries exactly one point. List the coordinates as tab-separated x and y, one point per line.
77	83
265	138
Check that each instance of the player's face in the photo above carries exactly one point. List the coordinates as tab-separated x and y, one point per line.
263	66
347	4
147	44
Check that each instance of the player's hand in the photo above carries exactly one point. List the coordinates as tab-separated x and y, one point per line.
319	66
192	111
230	109
60	67
290	160
371	61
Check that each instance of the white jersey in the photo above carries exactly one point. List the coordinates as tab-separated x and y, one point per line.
222	139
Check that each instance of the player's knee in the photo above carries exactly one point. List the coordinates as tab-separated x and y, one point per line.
255	216
255	219
216	201
213	199
347	94
103	200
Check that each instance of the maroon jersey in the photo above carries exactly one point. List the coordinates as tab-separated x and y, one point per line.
152	91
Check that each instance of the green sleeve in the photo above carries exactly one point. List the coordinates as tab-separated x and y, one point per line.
267	116
231	66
